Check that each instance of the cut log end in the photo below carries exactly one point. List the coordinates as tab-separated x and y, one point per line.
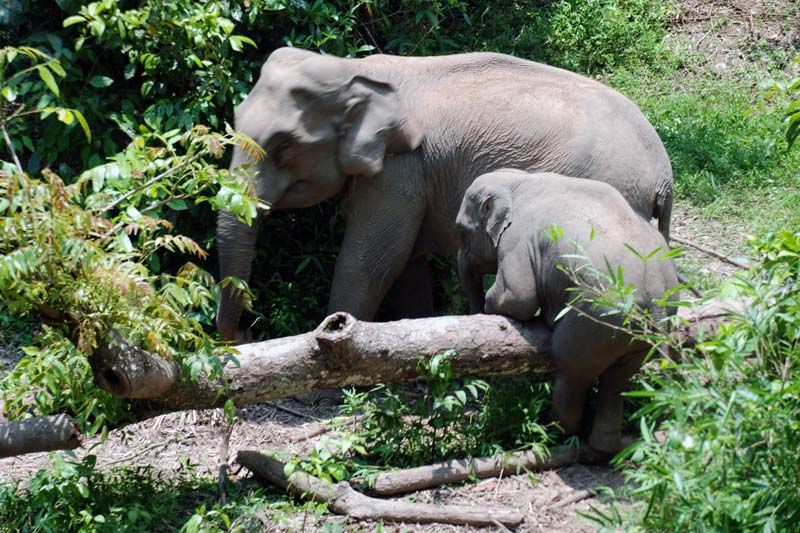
126	370
335	329
113	381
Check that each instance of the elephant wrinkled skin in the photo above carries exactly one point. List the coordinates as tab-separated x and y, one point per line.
407	135
538	232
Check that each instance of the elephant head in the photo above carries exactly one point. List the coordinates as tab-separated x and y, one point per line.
484	216
320	120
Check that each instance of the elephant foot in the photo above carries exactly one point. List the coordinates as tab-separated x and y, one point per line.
242	336
609	444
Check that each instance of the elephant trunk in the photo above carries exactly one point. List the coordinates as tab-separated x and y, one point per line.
471	282
235	243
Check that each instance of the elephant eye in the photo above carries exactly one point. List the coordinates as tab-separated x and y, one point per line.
279	153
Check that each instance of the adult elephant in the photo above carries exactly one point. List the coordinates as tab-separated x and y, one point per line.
407	136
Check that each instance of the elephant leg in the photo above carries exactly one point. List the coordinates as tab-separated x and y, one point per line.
569	399
606	435
382	228
581	350
411	295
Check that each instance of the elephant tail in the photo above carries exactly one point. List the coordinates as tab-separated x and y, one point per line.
663	208
659	316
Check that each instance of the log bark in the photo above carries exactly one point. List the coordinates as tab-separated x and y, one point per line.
456	471
38	434
345	352
343	500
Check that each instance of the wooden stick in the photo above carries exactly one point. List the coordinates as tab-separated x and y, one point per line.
575	497
39	434
708	251
343	500
455	471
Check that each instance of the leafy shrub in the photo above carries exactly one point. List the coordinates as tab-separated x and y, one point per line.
74	495
597	35
76	259
447	418
53	377
729	415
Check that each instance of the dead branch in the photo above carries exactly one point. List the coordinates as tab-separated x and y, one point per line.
345	352
575	497
708	251
455	471
343	500
39	434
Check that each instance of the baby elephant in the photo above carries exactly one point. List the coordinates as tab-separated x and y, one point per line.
529	229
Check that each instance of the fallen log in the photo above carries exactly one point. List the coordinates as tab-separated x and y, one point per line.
39	434
345	352
343	500
456	471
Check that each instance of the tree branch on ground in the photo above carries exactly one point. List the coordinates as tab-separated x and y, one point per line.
708	251
456	471
343	500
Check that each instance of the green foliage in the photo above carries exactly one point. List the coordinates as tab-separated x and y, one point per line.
719	147
17	88
791	89
331	458
74	495
448	418
596	35
585	36
729	414
53	377
77	255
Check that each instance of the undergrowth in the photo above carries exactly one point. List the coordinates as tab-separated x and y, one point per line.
73	495
720	426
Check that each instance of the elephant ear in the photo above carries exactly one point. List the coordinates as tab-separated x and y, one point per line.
496	215
375	124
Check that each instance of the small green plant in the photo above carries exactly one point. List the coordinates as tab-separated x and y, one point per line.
403	429
448	417
330	460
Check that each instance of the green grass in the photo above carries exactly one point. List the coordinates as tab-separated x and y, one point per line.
727	146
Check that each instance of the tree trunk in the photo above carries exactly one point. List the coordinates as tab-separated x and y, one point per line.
345	352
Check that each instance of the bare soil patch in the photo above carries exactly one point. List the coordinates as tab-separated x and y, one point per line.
734	33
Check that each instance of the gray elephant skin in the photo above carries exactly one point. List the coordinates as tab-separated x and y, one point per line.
522	227
404	137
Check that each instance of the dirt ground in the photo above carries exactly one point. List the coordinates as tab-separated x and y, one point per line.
728	34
